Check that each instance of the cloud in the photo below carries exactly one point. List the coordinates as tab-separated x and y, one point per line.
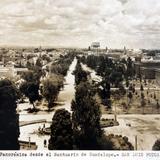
115	23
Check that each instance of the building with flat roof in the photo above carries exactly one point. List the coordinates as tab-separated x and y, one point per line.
95	45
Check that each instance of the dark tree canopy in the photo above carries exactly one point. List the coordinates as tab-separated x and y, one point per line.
61	66
116	78
9	120
39	63
61	131
86	118
105	92
80	74
50	88
130	68
32	76
156	145
31	91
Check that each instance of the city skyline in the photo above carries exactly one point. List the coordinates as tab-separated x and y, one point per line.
114	23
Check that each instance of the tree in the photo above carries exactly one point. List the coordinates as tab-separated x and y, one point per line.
116	78
91	61
80	74
130	96
157	105
130	69
61	66
156	145
31	91
142	95
142	89
106	143
154	95
32	76
61	131
9	119
50	89
101	67
86	118
127	82
29	65
38	63
143	103
105	92
122	90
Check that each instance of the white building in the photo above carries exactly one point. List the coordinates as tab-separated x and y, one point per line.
9	71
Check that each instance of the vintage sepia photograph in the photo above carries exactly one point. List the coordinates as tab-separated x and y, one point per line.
80	75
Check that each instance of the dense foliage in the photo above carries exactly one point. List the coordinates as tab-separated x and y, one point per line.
9	119
61	66
80	74
31	91
86	118
61	131
156	145
51	87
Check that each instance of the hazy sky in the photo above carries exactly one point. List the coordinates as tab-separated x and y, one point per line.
115	23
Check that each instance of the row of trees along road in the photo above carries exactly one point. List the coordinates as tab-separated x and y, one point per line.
115	70
113	73
35	89
83	130
52	84
80	74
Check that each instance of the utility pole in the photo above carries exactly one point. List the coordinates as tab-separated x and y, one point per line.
115	109
136	142
115	113
127	99
29	144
